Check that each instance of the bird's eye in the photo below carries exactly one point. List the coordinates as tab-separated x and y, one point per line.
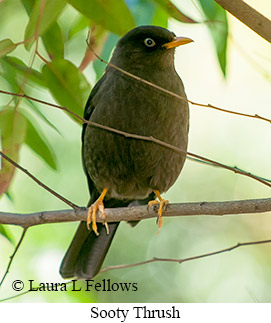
149	42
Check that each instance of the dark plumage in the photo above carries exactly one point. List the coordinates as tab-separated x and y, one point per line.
131	169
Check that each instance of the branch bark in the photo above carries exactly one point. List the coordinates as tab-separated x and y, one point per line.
249	16
135	213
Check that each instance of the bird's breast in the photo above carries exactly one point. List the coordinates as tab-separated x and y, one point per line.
133	167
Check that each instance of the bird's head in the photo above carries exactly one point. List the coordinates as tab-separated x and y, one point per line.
147	46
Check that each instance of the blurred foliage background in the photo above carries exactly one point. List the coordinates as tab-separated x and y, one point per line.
43	53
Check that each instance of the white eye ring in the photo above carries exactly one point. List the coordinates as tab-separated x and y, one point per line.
149	42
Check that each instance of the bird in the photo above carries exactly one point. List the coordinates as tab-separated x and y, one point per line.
123	171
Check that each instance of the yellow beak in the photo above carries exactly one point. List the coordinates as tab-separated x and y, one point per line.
178	41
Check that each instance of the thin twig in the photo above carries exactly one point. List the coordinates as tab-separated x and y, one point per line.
140	137
28	291
45	103
156	259
235	167
254	116
13	254
32	59
41	11
96	38
182	260
63	199
15	296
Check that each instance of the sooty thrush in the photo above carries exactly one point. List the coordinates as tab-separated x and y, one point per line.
121	170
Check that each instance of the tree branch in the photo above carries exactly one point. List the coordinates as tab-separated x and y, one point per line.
249	16
135	213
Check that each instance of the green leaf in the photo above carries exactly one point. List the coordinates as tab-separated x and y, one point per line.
142	11
218	26
6	46
160	18
22	69
38	143
113	15
35	108
6	234
67	84
12	129
53	41
28	5
173	11
78	25
9	196
10	76
41	18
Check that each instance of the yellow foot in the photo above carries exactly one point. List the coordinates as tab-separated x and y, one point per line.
92	213
162	203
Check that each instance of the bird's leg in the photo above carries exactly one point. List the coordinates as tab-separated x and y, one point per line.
161	203
92	212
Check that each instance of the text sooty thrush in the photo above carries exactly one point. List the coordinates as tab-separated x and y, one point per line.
123	171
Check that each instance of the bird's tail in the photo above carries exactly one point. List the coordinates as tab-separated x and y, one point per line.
87	251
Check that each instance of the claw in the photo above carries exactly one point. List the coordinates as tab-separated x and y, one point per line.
92	213
162	203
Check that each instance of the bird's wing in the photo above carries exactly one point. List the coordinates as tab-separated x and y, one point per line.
89	108
87	251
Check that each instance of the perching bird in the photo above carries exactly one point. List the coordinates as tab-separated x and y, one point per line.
121	170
